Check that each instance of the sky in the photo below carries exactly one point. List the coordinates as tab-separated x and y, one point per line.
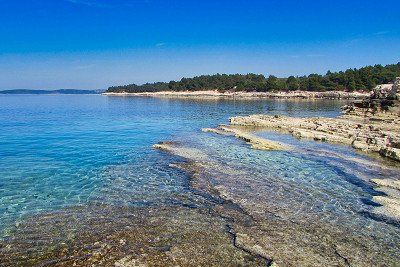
94	44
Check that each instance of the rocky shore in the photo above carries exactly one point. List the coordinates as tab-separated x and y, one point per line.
377	133
371	125
214	94
369	134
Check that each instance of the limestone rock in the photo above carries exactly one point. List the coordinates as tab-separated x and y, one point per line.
370	132
393	153
384	91
396	84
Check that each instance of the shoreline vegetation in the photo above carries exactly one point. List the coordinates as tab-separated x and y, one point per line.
330	85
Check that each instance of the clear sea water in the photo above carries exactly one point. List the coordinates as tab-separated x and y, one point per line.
59	151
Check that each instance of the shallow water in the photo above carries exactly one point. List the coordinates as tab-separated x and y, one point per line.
57	151
311	204
63	151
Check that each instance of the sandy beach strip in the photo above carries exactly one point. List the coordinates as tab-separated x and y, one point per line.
210	94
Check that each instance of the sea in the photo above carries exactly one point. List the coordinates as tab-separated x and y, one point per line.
58	152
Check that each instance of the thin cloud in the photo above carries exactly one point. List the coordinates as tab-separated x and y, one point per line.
315	55
89	3
308	55
105	4
84	67
382	33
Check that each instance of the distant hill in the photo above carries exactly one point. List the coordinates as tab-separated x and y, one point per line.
51	92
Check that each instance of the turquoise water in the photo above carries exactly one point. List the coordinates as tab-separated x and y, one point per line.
63	150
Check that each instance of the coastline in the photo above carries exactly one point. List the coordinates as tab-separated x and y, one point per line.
375	134
248	217
213	94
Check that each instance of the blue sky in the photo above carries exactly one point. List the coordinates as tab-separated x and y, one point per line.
47	44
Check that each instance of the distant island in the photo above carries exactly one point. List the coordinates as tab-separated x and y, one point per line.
51	92
363	79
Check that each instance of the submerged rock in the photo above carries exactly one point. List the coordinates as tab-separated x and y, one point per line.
152	236
255	141
391	200
171	147
217	130
371	125
278	220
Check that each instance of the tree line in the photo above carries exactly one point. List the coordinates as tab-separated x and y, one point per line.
365	78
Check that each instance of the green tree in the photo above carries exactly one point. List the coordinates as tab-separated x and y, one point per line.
272	83
292	83
364	78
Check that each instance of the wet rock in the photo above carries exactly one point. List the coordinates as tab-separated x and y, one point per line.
171	147
216	131
255	141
